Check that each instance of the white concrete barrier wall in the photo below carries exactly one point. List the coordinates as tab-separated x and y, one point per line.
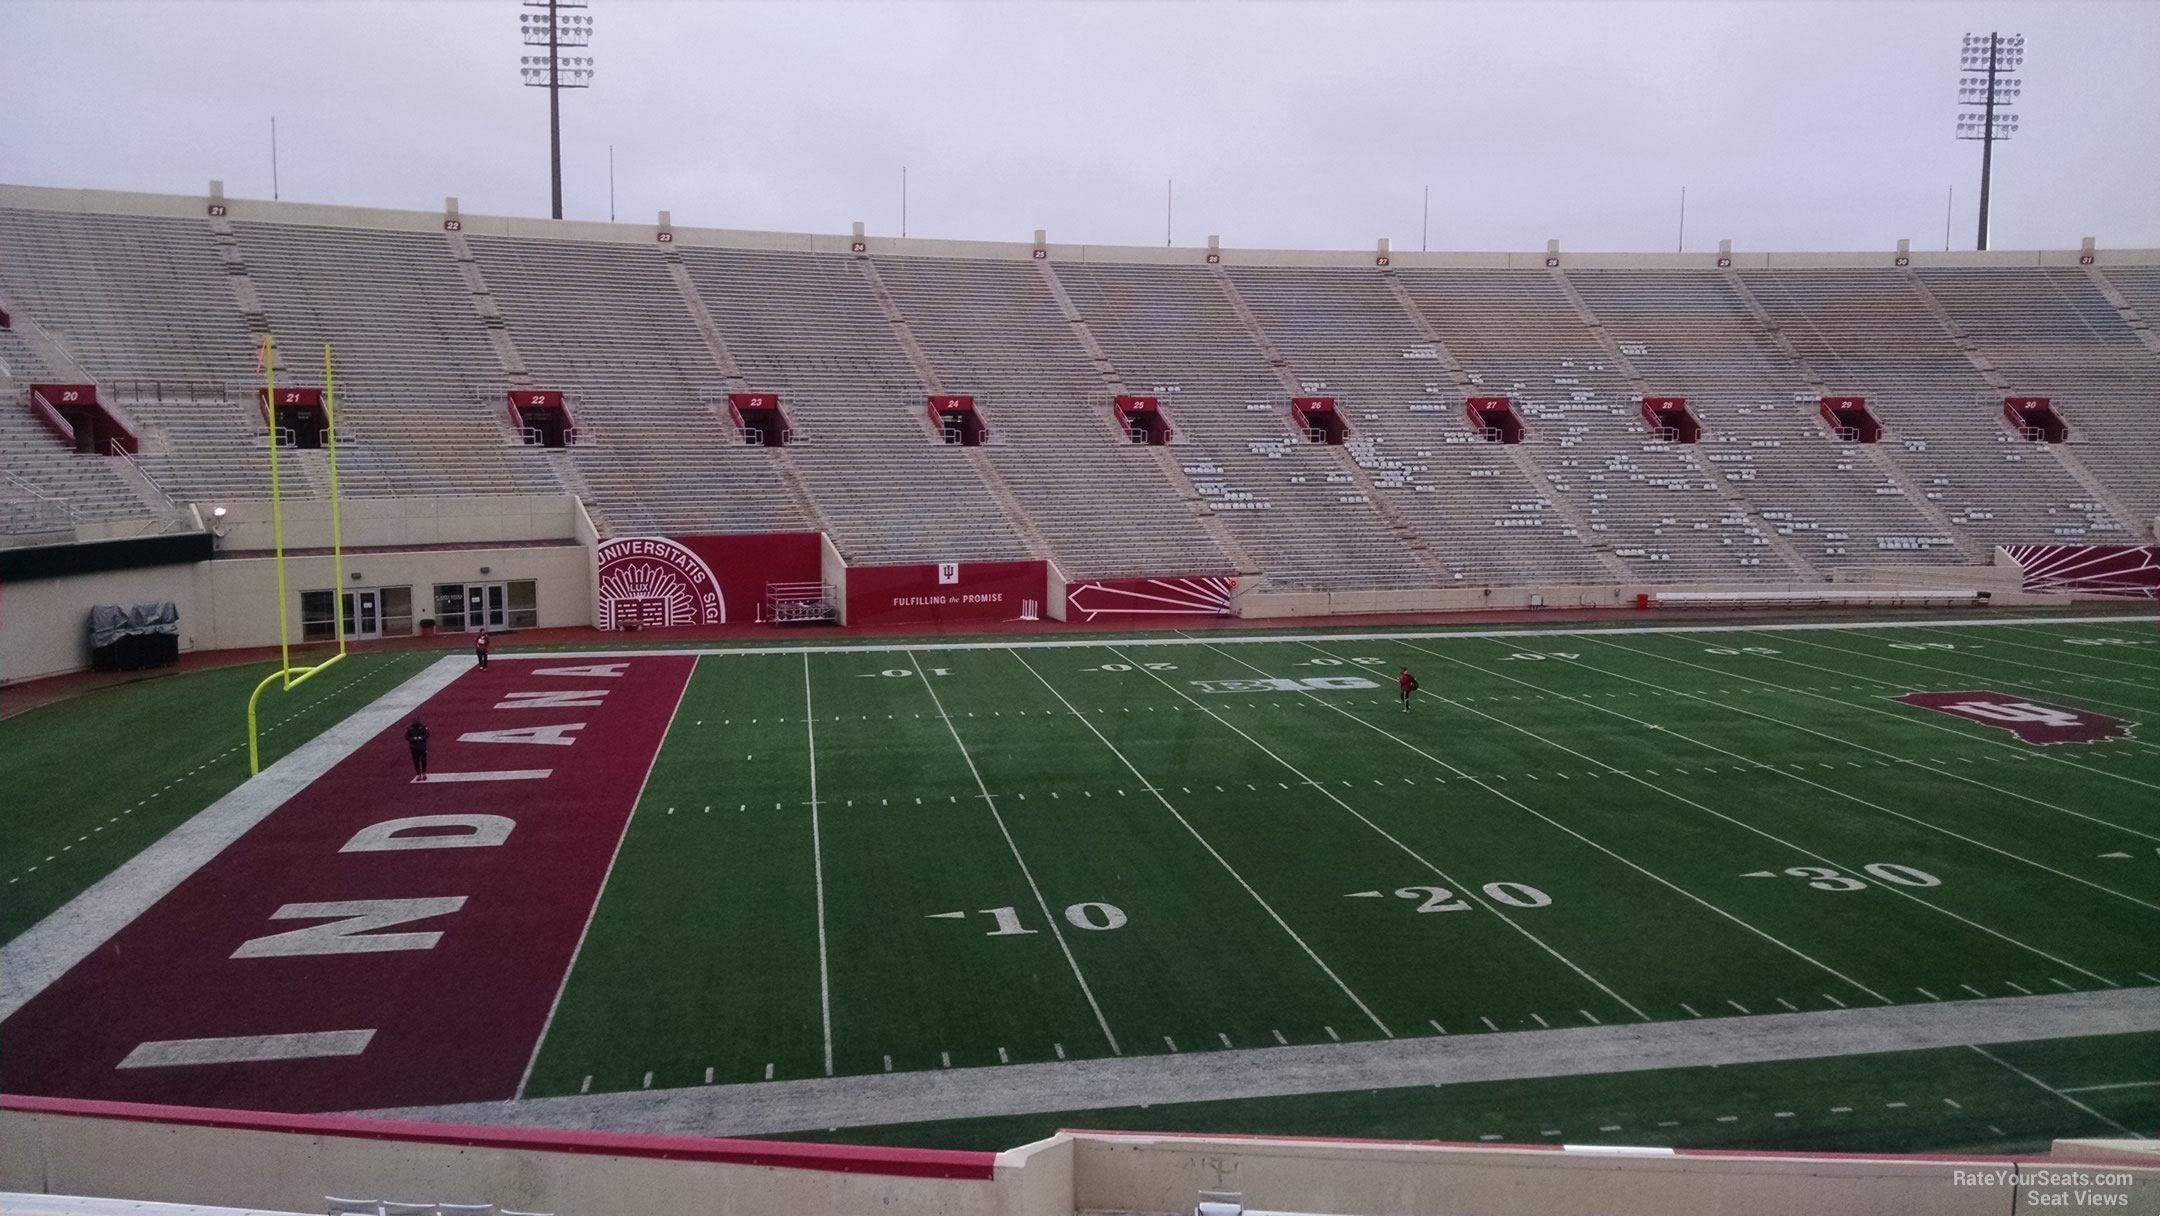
171	1155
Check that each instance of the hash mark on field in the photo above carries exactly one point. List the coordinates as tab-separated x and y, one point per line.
1952	1103
2020	987
1841	1110
1929	995
1060	1049
1002	1057
1998	1131
888	1064
1331	1033
1437	1027
586	1088
1728	1118
1170	1043
1225	1039
647	1084
2149	978
1589	1016
1669	1123
1609	1127
1735	1004
708	1074
1971	989
768	1070
945	1059
1893	1106
1490	1136
1833	1000
1541	1021
1279	1039
1488	1022
2059	984
1788	1004
1781	1114
1690	1009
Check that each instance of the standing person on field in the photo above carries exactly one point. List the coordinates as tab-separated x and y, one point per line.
1408	684
416	737
480	647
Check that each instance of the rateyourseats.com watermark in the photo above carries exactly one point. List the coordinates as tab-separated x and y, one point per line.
2044	1187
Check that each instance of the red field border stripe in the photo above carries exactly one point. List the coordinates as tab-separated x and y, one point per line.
1484	1146
777	1154
374	941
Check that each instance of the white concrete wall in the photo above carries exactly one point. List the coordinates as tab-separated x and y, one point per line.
644	233
185	1162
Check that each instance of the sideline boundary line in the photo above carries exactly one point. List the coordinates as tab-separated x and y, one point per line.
1246	639
771	1107
592	913
1041	903
44	952
1265	906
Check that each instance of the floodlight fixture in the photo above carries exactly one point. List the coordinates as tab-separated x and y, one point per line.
555	24
1982	61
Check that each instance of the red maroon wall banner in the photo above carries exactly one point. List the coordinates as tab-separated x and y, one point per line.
2034	722
1204	596
942	592
2126	570
652	582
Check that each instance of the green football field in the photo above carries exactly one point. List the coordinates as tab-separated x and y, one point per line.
857	860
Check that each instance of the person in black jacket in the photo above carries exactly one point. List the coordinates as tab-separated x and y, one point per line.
416	737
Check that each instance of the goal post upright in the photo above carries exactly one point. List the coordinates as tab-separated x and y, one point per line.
291	676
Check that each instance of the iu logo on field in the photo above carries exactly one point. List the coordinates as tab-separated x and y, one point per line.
2031	721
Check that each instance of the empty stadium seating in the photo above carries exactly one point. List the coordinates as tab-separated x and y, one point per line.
646	341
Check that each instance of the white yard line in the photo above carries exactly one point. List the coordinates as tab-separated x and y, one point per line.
2097	654
1855	798
771	1107
570	968
1968	736
2060	694
2051	1089
1241	639
1658	878
1224	862
817	857
990	800
44	952
1461	890
1806	852
2093	1089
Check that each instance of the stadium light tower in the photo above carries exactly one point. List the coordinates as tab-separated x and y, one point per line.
1982	60
553	24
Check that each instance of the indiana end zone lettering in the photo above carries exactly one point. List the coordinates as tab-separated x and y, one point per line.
2034	722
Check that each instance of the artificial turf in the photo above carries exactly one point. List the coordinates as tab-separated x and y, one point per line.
93	780
1022	854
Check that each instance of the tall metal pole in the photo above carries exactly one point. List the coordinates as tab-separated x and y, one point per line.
1949	205
1987	138
554	110
273	159
611	183
1681	246
1424	220
903	200
1169	196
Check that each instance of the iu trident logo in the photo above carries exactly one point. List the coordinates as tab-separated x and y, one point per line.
2032	721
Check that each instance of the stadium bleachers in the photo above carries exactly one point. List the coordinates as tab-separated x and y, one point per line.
150	306
1517	335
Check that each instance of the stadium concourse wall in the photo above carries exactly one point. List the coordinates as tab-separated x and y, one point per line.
294	1162
231	601
180	206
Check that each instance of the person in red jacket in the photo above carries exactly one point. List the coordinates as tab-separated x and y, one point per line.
480	648
1408	684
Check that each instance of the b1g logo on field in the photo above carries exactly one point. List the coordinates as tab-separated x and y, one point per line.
2031	721
651	582
1273	684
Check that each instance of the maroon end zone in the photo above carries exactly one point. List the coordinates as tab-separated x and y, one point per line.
338	955
2034	722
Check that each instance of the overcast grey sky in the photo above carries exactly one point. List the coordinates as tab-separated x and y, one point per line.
1792	125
